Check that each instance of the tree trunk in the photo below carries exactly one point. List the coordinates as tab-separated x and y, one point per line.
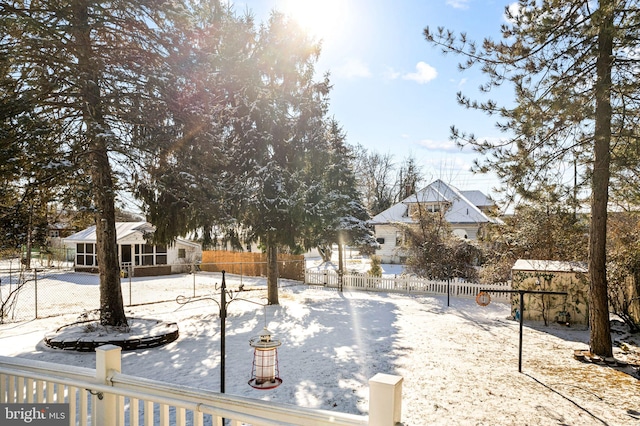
325	252
272	273
89	71
600	339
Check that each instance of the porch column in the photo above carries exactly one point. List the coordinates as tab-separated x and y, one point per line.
385	400
108	361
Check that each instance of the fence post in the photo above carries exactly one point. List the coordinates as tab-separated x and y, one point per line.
193	271
108	360
35	286
385	400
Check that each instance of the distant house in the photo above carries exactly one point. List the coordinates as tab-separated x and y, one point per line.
134	250
466	212
556	276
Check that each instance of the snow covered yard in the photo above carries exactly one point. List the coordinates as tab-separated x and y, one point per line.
459	363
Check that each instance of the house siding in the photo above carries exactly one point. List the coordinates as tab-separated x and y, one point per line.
133	235
389	252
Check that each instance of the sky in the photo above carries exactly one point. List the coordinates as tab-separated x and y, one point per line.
459	363
392	91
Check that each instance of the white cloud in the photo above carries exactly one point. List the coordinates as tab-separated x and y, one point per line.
446	146
424	73
458	4
353	68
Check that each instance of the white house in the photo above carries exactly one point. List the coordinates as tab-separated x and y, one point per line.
466	211
134	250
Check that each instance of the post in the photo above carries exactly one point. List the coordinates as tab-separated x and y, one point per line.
521	324
223	320
385	400
35	279
108	361
193	271
448	289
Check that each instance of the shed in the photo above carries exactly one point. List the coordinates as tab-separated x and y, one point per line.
135	252
557	276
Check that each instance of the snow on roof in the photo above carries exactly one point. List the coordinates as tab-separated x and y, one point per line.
461	210
123	229
478	198
549	266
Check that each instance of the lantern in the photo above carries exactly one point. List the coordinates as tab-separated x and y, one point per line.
264	374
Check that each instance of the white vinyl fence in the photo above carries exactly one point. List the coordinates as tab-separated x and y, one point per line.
105	396
405	284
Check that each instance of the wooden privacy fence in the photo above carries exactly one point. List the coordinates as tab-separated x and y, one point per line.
105	396
252	264
403	284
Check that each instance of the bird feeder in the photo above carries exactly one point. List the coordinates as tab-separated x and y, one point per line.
265	372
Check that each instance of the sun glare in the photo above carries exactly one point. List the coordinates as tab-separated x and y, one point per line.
322	19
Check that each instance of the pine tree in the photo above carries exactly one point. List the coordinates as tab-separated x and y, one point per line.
344	218
85	67
573	72
193	179
287	122
247	121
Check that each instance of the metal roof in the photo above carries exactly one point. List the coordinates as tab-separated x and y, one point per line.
123	230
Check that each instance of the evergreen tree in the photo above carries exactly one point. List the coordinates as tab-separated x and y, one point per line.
343	218
85	68
287	131
194	176
247	122
572	65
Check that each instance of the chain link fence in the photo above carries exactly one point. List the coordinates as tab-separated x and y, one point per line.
42	292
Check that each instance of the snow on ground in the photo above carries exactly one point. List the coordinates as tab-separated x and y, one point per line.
459	362
354	262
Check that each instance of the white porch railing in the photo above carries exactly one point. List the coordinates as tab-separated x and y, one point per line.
105	396
404	284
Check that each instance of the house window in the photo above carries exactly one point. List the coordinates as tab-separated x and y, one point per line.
86	254
380	241
161	255
148	255
182	253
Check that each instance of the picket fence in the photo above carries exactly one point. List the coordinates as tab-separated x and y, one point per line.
106	397
406	284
